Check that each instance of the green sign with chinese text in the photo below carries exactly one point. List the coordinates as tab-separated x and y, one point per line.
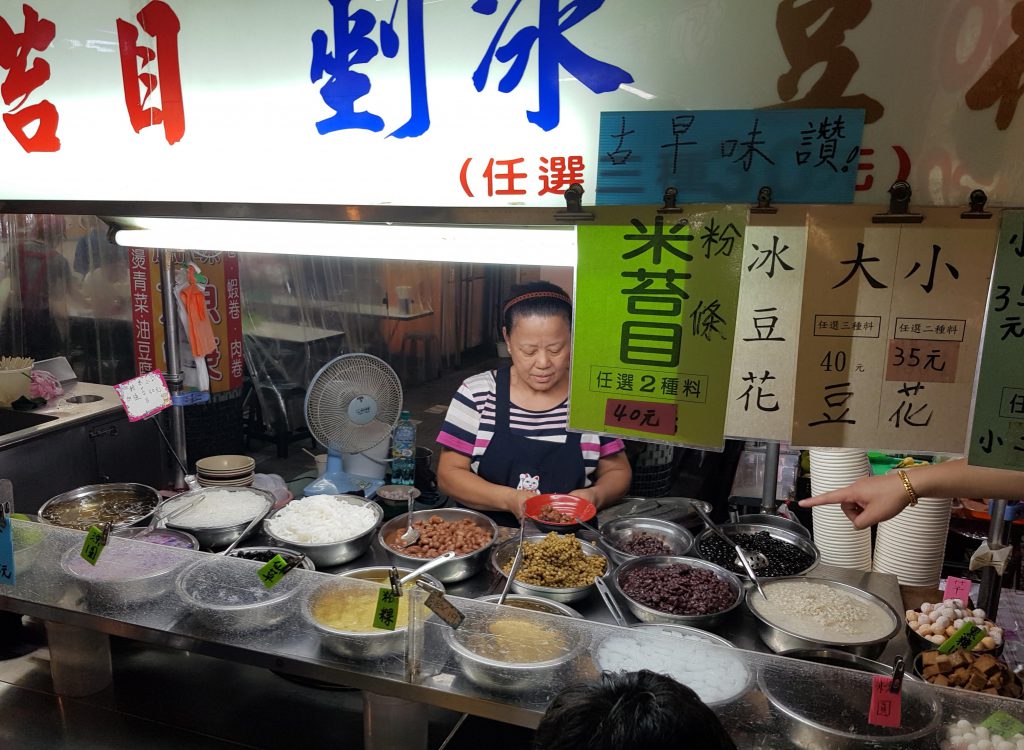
655	312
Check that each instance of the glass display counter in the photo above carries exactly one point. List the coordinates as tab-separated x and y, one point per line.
502	663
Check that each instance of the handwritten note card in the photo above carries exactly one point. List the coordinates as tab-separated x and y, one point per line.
144	396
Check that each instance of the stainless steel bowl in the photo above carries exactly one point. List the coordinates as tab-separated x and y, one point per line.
797	540
694	664
459	569
123	504
919	643
227	595
214	537
678	539
770	519
127	573
664	627
779	639
812	720
679	510
332	554
845	659
139	534
506	551
511	676
533	604
359	645
648	614
285	552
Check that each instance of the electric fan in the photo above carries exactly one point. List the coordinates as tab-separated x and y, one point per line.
352	405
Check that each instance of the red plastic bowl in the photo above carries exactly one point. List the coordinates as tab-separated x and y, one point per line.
571	505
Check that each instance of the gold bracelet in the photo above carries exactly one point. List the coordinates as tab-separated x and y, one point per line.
908	488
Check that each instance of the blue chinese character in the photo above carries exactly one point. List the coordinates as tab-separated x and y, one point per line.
553	50
353	46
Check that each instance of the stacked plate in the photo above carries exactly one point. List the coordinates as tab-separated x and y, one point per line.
225	471
912	545
836	538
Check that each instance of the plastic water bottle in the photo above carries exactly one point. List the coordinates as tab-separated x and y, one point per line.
403	451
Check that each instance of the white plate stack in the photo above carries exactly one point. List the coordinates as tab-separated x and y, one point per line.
912	545
836	538
226	471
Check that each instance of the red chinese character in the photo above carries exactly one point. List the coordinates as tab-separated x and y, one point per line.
558	173
159	21
1001	83
22	80
493	174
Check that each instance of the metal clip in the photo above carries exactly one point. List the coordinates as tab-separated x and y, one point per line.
573	212
295	562
105	539
897	676
396	584
899	206
764	201
5	511
977	201
670	206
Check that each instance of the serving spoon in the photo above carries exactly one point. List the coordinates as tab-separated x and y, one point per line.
747	559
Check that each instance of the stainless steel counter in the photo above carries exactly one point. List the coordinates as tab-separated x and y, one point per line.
428	673
95	400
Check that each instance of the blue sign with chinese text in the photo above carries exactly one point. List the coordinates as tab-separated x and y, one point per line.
722	156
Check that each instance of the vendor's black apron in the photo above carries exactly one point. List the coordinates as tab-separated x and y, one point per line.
559	466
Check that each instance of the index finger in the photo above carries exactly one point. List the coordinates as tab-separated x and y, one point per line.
829	498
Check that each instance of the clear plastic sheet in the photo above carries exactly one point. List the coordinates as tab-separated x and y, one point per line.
511	670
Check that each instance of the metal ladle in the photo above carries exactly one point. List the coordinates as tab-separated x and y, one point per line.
748	560
411	536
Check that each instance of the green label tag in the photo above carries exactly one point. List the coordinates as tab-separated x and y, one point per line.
386	614
272	573
1003	724
93	546
967	637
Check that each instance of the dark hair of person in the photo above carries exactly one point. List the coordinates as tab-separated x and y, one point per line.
536	298
630	711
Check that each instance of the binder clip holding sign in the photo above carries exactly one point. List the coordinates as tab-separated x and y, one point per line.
886	694
7	572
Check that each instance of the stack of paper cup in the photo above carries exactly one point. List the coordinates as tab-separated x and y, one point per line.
912	545
836	538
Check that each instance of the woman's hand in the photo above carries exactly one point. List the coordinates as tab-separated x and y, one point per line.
587	494
517	502
867	501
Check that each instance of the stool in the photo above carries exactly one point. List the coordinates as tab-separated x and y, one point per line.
423	349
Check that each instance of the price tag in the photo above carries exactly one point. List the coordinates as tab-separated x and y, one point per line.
1003	724
144	396
885	704
957	588
656	418
967	637
440	606
274	571
7	576
95	541
386	614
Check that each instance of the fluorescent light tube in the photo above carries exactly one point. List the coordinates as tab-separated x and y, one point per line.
538	246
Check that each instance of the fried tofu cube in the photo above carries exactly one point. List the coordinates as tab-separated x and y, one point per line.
944	664
940	680
987	665
930	658
976	682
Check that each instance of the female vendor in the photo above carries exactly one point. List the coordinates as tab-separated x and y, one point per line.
505	438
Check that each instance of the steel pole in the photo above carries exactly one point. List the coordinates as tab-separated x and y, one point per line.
991	581
771	477
173	375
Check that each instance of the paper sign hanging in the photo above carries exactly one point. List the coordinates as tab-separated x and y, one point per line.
763	381
997	424
144	396
385	614
272	573
7	570
95	540
967	637
720	156
885	706
1003	724
654	323
890	330
957	588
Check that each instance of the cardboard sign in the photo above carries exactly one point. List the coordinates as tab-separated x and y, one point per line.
385	614
967	637
273	571
144	396
957	588
923	361
654	322
94	543
885	706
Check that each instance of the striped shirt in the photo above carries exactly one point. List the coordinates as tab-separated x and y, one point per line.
469	425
